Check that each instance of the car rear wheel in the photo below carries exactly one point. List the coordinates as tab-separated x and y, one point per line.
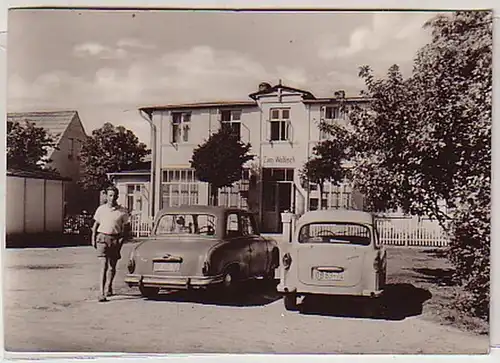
149	292
290	301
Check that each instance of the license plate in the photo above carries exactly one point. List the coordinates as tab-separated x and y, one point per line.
166	266
329	276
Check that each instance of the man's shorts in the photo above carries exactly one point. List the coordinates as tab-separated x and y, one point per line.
108	246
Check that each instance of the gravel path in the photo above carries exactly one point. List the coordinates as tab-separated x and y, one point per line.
50	305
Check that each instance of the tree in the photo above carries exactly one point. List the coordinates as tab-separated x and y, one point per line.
425	142
28	146
109	149
219	161
326	164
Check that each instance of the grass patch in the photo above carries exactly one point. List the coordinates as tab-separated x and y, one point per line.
429	269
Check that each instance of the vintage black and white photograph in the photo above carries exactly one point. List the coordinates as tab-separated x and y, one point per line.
217	181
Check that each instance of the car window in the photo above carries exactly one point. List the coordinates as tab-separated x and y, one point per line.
187	223
335	233
247	225
233	225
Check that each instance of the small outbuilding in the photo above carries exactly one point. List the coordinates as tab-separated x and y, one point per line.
34	202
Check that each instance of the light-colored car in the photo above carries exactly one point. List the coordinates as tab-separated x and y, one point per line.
333	252
194	247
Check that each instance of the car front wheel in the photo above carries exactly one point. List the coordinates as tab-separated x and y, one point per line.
290	301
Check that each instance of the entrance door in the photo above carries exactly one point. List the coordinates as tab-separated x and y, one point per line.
283	201
277	199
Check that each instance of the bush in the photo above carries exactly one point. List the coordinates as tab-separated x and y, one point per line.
470	254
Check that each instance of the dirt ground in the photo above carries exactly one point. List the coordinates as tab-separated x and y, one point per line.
50	305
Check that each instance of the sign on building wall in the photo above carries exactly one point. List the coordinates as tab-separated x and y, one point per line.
278	160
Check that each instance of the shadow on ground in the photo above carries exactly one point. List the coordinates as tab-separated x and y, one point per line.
439	276
398	302
47	240
250	293
437	252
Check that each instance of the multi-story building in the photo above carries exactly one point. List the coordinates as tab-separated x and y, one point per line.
282	125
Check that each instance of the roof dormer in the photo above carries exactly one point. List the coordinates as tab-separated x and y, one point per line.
279	92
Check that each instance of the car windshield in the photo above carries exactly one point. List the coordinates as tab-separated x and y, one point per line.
187	224
335	233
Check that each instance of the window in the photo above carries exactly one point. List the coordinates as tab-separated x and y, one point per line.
134	197
236	196
333	113
247	225
180	127
179	187
231	119
232	225
335	233
334	197
280	124
329	114
199	224
71	148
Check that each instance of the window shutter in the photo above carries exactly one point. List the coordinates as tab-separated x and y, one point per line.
171	130
289	131
268	130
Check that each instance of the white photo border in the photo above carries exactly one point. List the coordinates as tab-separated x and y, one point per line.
276	4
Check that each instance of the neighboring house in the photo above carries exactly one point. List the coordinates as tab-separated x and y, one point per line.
133	188
69	133
280	122
34	202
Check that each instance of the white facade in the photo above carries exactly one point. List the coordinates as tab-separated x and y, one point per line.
280	123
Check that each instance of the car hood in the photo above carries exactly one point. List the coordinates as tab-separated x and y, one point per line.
180	246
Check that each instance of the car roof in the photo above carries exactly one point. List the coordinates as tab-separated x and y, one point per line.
217	210
337	215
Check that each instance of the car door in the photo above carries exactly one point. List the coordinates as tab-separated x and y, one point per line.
258	246
238	248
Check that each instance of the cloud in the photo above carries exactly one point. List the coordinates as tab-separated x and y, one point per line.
381	34
134	43
99	51
199	73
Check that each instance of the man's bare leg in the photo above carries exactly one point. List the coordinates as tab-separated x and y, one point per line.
112	274
104	272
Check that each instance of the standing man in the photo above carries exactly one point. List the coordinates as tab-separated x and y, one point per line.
108	234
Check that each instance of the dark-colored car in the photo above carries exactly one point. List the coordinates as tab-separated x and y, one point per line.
194	247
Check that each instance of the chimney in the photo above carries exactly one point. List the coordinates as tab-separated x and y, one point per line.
339	94
264	86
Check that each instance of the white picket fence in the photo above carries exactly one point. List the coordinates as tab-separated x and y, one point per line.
393	231
412	232
140	225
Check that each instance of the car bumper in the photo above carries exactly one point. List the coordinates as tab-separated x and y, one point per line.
331	290
173	282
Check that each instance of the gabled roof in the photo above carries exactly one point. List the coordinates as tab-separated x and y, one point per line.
55	122
305	94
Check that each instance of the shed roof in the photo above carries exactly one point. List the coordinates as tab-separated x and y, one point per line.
36	174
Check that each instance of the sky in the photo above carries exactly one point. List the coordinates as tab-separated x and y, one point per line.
107	64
